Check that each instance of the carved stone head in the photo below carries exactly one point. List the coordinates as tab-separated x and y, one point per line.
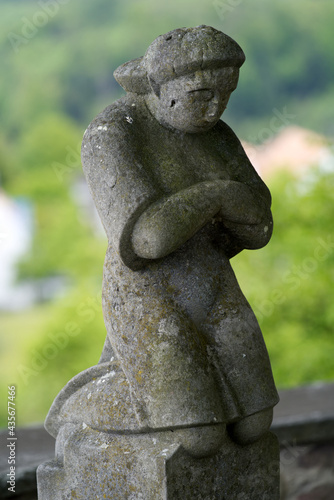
187	76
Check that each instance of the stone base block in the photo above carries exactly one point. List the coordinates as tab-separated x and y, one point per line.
93	465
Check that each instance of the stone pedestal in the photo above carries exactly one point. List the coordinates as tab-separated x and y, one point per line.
95	465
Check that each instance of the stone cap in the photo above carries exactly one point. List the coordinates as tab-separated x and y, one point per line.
178	53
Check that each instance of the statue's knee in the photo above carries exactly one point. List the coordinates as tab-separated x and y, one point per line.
251	428
202	441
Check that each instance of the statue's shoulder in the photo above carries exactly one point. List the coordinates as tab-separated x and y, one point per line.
229	145
115	120
228	135
241	168
119	111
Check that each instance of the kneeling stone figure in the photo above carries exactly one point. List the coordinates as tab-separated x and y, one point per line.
181	401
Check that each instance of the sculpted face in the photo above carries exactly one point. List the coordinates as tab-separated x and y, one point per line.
194	103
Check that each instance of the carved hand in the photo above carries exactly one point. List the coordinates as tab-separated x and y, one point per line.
239	205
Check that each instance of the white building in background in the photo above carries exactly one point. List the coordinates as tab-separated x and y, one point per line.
16	236
16	231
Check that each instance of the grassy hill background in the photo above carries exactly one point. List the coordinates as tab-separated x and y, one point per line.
57	64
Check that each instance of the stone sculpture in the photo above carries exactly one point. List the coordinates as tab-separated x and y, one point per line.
181	401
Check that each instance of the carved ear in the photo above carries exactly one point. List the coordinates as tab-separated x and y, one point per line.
132	77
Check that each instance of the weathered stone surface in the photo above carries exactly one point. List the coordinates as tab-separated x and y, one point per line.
184	358
156	468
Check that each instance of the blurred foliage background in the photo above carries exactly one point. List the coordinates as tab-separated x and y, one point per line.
58	59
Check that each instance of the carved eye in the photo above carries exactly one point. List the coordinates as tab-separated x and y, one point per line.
172	104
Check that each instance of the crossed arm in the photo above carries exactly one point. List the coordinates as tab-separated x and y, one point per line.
171	221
